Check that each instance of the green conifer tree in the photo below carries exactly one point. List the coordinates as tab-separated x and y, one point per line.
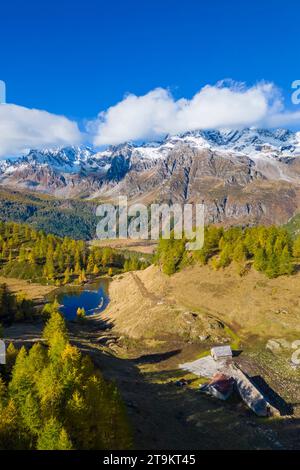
53	437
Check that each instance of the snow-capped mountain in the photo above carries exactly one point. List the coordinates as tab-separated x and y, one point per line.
62	159
251	141
240	173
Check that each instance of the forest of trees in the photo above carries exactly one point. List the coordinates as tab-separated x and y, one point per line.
73	218
270	250
30	254
53	398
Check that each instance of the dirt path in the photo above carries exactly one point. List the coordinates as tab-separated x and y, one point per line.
144	291
165	300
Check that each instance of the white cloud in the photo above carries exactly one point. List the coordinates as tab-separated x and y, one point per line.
22	128
284	119
226	104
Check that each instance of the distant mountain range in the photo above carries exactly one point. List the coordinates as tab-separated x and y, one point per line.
244	176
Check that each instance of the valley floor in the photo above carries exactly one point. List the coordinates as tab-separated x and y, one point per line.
155	323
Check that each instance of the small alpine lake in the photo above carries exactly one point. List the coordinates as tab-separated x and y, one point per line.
93	297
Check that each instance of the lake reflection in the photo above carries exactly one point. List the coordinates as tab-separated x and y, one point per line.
92	297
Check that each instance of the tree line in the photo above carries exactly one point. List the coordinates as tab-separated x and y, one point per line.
30	254
270	250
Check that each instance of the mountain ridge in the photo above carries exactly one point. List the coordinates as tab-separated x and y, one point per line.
244	176
249	140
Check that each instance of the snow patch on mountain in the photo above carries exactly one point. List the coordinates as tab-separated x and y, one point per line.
264	146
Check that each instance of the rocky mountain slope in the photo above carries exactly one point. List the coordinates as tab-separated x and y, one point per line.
244	176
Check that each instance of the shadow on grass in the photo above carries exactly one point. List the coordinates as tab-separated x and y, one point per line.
156	358
164	416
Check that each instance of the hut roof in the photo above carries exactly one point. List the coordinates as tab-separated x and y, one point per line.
221	351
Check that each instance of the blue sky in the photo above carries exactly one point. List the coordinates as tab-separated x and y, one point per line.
77	58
